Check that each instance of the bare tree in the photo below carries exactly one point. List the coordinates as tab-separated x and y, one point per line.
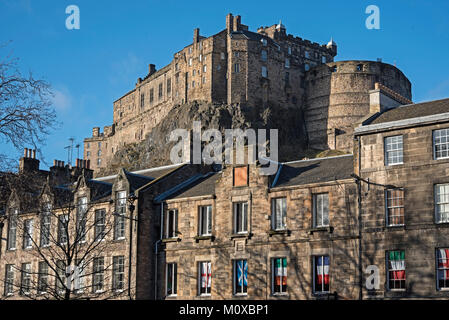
26	115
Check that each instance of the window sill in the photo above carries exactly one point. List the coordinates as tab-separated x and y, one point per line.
209	237
279	295
328	229
279	232
167	240
241	235
396	227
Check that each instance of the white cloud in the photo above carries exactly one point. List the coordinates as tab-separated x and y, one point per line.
62	99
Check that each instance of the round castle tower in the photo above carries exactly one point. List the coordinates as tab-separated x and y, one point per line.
338	98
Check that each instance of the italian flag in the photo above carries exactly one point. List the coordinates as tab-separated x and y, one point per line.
281	272
397	264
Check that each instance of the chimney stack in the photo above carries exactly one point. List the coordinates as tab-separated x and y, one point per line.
151	69
237	23
28	163
196	35
229	22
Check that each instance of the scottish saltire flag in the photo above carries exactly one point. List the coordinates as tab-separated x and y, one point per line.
206	275
443	264
281	272
397	264
322	270
242	273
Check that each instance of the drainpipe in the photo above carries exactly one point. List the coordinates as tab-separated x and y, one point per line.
156	251
359	203
131	207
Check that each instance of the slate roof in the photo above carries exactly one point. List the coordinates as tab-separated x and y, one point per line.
202	187
315	171
412	111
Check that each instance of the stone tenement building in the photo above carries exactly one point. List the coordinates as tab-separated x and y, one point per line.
317	229
268	67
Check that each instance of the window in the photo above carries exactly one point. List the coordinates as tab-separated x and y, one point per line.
119	217
99	162
190	62
9	280
393	150
442	203
240	277
240	176
287	63
236	54
45	225
264	55
27	234
306	67
443	268
142	100
168	86
88	153
25	279
88	145
118	273
279	275
171	279
61	278
204	68
396	270
222	56
100	224
204	79
307	54
240	217
323	59
193	84
359	67
320	210
201	57
190	50
151	95
279	214
441	144
98	275
205	221
42	281
99	153
171	224
264	42
80	265
81	219
161	91
205	278
264	72
12	229
62	229
321	274
289	50
236	68
395	207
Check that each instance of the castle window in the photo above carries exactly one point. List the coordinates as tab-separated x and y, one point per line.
264	72
168	86
236	68
201	57
306	67
142	100
190	61
99	162
204	79
236	54
200	45
334	69
393	150
222	56
287	63
289	50
176	67
264	42
99	152
264	55
99	144
307	54
193	84
204	68
323	59
359	67
194	73
151	95
88	145
190	50
160	91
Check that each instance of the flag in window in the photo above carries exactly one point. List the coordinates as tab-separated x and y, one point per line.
443	264
322	270
397	265
206	275
281	272
242	273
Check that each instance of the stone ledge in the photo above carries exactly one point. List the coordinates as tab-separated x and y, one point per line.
199	238
322	229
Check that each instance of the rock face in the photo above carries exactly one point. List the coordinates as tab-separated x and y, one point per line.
155	149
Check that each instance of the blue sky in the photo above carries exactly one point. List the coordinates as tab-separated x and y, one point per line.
91	67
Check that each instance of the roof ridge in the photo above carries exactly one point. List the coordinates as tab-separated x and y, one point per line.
317	159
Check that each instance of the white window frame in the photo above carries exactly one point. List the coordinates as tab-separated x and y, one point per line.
389	206
42	277
440	202
244	217
388	272
119	217
45	225
81	218
283	291
443	269
98	275
444	135
200	278
174	279
391	145
12	230
172	214
315	274
100	225
25	277
62	228
118	273
208	223
235	279
28	234
264	72
9	280
324	214
275	214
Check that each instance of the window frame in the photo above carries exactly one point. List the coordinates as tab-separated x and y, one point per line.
243	215
98	275
244	288
172	214
315	212
391	270
388	207
45	225
171	276
386	151
9	283
315	275
25	276
27	239
81	219
209	220
119	216
274	214
208	279
42	277
434	144
100	225
118	273
437	214
12	230
283	289
444	269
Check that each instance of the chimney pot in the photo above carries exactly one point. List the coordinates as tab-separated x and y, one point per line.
25	152
34	153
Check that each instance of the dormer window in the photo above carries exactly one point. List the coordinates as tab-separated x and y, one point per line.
119	219
45	225
81	219
12	229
